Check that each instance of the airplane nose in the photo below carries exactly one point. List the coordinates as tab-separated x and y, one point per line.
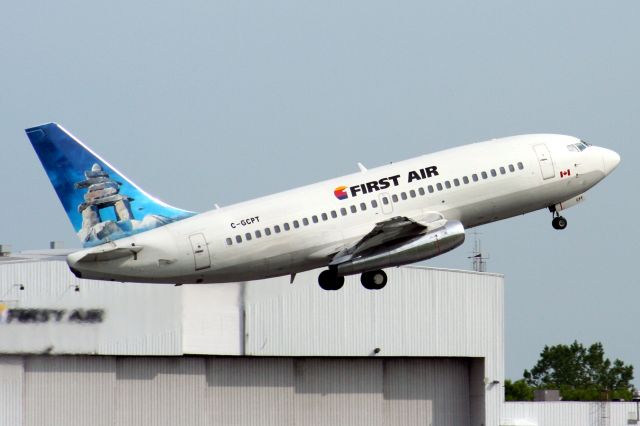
610	159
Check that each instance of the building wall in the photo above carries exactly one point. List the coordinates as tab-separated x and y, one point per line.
206	390
49	316
422	313
11	390
569	413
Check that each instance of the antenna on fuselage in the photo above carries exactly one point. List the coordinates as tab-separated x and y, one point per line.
479	262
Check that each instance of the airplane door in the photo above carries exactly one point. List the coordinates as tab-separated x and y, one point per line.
200	251
386	206
544	159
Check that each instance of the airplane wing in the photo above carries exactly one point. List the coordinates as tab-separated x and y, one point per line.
389	231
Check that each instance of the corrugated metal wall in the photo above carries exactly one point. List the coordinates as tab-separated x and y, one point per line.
570	413
137	319
160	391
423	312
71	391
81	390
11	390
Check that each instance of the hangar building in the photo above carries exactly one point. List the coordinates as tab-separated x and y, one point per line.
428	349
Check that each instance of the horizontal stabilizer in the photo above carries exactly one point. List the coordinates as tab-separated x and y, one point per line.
111	253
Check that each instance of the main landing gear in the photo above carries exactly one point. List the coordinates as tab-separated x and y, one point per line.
372	280
329	280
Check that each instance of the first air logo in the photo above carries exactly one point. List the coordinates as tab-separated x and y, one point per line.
340	193
344	192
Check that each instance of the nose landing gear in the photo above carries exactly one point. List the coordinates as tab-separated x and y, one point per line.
559	222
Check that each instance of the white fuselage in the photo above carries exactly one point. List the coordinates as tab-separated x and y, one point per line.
304	228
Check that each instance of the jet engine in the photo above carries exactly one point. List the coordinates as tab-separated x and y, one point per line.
421	247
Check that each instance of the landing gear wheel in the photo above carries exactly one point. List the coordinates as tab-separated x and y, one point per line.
373	280
328	280
559	222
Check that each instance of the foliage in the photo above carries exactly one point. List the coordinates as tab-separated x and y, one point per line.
517	391
581	374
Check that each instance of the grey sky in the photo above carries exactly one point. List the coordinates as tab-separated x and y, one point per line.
207	102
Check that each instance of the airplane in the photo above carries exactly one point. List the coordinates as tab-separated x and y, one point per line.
361	223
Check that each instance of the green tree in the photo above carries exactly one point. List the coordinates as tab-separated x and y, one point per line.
517	391
581	374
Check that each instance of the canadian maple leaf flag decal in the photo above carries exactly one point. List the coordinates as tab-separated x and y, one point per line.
564	173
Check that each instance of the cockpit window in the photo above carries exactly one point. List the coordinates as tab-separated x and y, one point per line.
585	142
580	146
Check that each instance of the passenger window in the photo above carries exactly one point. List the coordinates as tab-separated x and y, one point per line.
385	200
314	218
484	175
238	239
456	182
412	193
394	197
343	211
296	224
430	189
324	216
439	186
334	214
374	204
447	184
258	234
286	226
493	173
502	170
403	195
267	231
465	180
363	206
511	168
353	209
474	177
229	241
277	229
421	191
247	236
305	221
520	166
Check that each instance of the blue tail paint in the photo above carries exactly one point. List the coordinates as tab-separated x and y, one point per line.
102	204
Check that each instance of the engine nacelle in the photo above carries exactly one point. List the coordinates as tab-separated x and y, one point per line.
421	247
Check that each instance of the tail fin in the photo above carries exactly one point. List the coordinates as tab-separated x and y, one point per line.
102	204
